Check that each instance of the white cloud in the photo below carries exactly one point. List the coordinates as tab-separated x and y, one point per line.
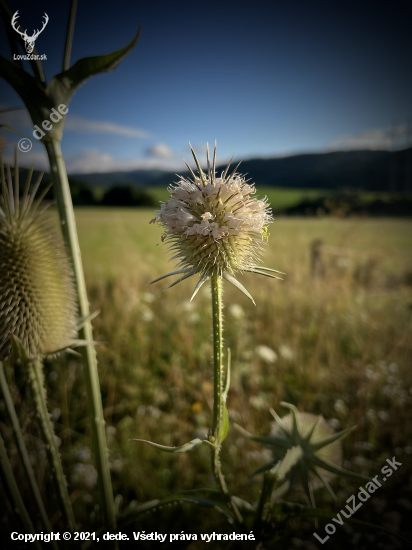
160	150
79	124
37	156
98	161
379	138
21	120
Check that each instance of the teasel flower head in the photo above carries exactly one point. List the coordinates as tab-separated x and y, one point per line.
305	447
215	225
37	297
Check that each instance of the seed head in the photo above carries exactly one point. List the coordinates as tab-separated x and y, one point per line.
313	450
214	224
37	299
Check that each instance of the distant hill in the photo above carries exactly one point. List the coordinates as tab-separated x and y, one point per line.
358	170
368	170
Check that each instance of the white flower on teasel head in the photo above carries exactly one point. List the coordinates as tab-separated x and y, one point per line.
214	225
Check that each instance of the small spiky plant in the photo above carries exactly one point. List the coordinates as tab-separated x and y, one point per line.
37	298
214	225
317	451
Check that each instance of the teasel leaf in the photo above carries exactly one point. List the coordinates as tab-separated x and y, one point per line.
224	427
227	381
63	85
206	498
186	448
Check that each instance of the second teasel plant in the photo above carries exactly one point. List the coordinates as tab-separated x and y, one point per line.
37	304
37	295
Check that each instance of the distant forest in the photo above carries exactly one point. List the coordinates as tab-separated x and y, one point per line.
363	170
343	180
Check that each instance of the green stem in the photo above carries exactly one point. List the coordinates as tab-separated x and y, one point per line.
24	455
68	223
35	375
217	307
218	404
14	495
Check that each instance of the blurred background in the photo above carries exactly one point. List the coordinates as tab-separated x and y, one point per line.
314	98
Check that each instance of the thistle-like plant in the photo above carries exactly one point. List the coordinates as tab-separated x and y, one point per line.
216	229
40	97
37	307
312	459
215	226
37	295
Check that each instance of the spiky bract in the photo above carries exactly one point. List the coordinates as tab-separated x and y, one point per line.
37	298
214	224
318	450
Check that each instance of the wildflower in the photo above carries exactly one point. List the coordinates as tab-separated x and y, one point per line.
316	449
286	352
341	407
37	299
268	355
214	225
236	311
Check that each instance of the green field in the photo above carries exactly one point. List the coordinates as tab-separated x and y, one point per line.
278	197
343	350
281	197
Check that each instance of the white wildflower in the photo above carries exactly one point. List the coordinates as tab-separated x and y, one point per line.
214	225
286	352
268	355
236	311
340	407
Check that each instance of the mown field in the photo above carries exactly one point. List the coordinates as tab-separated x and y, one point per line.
341	339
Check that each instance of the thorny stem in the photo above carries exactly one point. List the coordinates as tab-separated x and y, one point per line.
10	485
218	404
36	380
68	223
24	455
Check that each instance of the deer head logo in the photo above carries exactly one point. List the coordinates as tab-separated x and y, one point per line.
28	40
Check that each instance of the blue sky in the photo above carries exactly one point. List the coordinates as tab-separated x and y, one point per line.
262	78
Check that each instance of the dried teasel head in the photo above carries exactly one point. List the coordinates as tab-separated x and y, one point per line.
215	225
37	297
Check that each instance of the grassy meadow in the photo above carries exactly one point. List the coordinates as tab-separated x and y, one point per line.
341	339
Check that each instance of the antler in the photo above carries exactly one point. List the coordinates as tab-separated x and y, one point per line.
16	25
36	33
